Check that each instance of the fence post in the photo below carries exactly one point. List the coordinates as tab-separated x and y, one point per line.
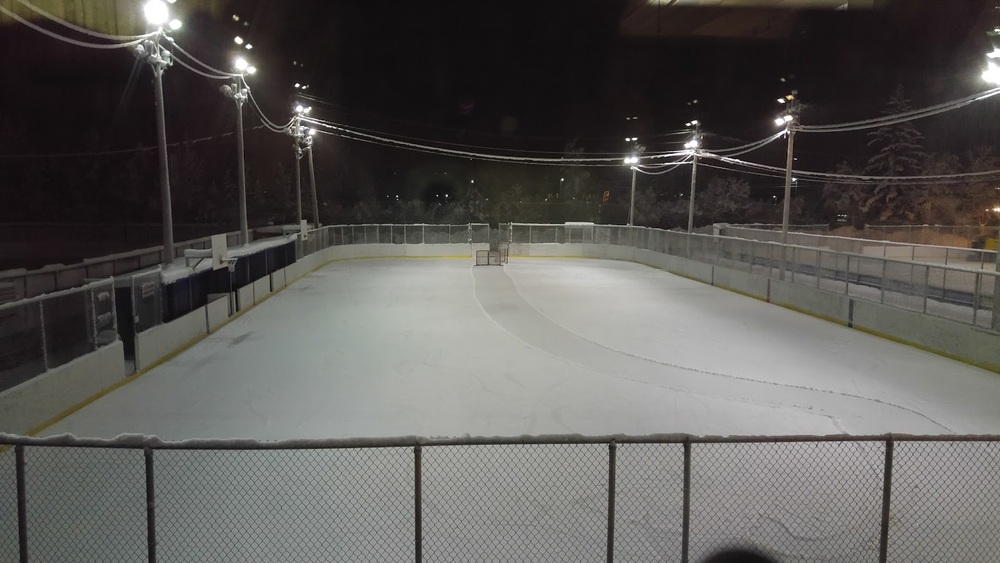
883	544
686	521
150	507
612	477
93	315
418	524
927	283
885	269
41	332
22	505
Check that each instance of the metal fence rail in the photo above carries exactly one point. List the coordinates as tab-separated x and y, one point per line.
963	293
44	332
549	498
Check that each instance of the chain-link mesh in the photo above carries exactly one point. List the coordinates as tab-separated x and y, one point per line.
480	233
796	501
285	505
85	504
515	503
8	502
21	355
649	502
945	502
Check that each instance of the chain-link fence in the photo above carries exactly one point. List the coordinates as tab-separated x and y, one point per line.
48	331
553	498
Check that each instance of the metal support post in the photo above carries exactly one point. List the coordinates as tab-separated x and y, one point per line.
786	207
41	324
995	322
93	316
418	537
686	521
159	61
631	203
241	168
694	176
312	183
612	477
883	544
22	505
150	507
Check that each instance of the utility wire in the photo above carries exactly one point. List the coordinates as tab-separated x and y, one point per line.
206	66
671	169
69	40
123	151
900	117
79	29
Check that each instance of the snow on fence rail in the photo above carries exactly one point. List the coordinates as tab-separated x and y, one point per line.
552	498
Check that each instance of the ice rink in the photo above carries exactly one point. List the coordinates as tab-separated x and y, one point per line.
439	347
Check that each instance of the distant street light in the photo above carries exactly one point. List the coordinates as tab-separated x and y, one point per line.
238	92
159	59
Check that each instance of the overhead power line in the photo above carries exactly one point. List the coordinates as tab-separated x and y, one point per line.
72	41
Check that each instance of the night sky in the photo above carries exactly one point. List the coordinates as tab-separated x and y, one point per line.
509	75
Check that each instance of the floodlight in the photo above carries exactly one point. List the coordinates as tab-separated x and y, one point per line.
311	132
994	54
299	108
175	24
238	40
787	118
779	121
155	12
251	69
248	46
694	122
992	73
241	64
781	100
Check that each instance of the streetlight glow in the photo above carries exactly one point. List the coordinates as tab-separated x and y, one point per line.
241	64
251	69
992	73
175	24
155	12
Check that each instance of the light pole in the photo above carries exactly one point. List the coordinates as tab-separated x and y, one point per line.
992	76
312	175
159	59
298	146
789	120
238	92
631	161
694	145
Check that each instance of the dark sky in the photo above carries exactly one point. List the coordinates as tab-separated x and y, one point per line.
513	74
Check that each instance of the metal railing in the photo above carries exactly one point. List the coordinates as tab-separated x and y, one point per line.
961	294
41	333
936	254
921	234
552	498
30	283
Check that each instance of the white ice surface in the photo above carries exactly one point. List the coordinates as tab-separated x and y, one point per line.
440	348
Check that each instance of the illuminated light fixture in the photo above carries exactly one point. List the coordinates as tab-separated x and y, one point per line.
781	100
251	69
241	64
994	54
175	24
631	160
779	121
236	18
249	46
238	40
297	84
692	144
311	132
992	73
299	108
155	12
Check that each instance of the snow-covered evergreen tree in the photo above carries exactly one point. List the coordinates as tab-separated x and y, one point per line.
900	153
